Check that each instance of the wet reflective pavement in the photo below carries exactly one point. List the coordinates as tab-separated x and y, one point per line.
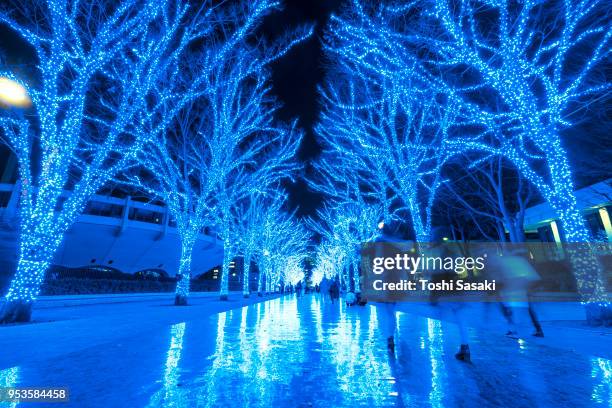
307	352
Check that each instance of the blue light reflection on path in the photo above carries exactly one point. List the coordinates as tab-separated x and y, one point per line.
306	352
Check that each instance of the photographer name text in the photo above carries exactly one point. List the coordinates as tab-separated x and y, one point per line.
426	285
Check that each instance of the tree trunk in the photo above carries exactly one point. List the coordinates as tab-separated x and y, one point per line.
518	229
585	265
563	199
264	276
183	286
35	256
346	277
260	283
501	231
227	259
422	233
16	311
356	278
246	274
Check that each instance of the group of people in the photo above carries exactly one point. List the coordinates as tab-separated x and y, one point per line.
515	276
512	270
331	287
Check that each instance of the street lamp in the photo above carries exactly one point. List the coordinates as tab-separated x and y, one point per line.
13	94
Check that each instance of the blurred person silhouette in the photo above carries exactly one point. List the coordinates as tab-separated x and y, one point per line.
447	300
298	289
516	275
334	290
389	234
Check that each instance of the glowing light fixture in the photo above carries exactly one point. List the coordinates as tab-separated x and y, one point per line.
381	225
605	219
13	94
555	231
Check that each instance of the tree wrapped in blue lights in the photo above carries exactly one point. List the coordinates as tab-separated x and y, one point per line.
96	69
357	200
522	61
507	67
262	222
492	197
344	228
248	161
282	236
249	151
174	169
289	257
327	226
323	264
113	87
249	229
405	135
385	120
345	175
252	215
329	262
293	269
514	73
207	160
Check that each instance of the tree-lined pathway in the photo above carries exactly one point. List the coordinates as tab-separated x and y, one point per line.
308	352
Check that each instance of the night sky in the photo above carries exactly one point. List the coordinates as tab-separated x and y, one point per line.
295	80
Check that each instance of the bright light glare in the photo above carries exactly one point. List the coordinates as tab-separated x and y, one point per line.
13	94
381	225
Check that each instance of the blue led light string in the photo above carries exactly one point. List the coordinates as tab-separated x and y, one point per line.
84	141
516	57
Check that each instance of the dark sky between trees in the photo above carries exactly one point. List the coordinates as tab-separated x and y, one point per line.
295	79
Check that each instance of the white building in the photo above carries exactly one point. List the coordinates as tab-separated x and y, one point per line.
120	233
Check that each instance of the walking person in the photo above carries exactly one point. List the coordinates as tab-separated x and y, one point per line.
389	323
324	288
517	276
389	242
334	291
448	300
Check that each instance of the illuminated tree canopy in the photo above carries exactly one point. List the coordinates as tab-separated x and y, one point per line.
513	76
110	83
283	245
96	71
224	145
509	70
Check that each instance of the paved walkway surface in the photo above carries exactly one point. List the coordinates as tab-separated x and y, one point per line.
56	331
307	352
